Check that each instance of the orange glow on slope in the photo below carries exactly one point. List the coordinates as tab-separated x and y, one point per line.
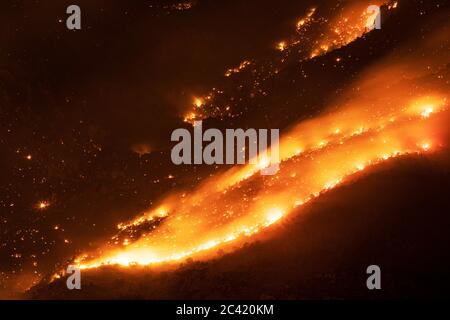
345	27
236	204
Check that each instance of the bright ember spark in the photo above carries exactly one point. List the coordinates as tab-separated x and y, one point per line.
426	146
281	46
43	205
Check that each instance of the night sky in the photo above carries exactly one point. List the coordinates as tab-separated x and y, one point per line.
86	115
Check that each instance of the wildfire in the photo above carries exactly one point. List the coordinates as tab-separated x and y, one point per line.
369	127
341	26
195	224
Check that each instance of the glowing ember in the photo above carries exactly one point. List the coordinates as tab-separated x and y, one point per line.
190	117
426	146
198	102
43	205
281	46
426	113
242	66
